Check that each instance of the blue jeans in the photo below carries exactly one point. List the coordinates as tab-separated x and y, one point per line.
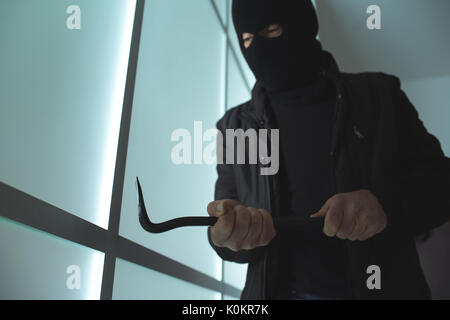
306	296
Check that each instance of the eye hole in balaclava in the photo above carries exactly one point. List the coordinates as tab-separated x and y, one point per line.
271	31
287	60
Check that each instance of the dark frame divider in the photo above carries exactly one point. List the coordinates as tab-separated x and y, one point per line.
230	46
20	207
225	102
122	147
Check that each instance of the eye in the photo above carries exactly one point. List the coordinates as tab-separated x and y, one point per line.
272	31
247	38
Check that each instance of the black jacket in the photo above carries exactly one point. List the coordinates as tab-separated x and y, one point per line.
380	144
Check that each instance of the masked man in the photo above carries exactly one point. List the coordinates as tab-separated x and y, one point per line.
352	152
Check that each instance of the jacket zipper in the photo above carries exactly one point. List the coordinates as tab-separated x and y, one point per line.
271	197
261	125
333	161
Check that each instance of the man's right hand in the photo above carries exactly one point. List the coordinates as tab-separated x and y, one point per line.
239	227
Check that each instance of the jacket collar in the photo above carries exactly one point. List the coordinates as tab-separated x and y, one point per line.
259	100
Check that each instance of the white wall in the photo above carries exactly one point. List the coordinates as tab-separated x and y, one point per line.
431	97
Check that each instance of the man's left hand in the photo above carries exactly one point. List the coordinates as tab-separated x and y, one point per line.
354	216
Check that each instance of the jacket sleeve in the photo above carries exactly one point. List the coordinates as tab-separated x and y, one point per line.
418	198
226	189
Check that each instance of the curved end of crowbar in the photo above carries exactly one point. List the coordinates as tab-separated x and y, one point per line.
151	227
143	215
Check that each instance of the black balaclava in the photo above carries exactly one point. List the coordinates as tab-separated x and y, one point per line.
286	62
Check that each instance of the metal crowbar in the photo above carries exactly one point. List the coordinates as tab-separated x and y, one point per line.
148	225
